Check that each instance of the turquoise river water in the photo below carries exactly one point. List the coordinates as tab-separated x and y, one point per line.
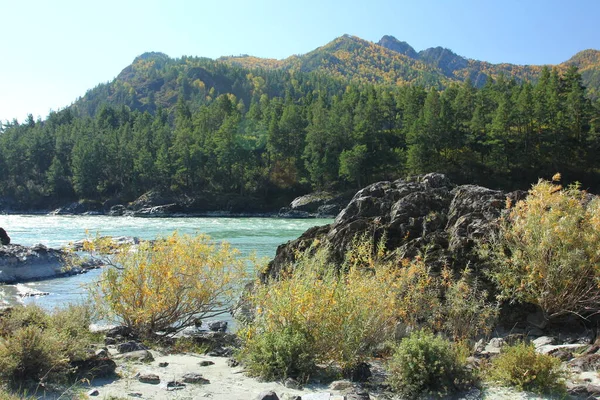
258	235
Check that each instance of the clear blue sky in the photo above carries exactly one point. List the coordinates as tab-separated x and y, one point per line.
53	51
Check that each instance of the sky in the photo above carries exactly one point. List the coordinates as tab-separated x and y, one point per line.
54	51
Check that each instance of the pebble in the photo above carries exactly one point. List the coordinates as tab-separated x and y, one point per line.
193	377
149	378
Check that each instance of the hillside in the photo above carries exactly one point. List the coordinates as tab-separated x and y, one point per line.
394	62
341	116
154	80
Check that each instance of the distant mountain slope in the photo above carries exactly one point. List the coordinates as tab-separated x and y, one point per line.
353	58
155	80
394	62
588	62
458	68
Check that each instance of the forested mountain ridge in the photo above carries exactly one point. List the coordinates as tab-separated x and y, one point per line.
154	80
356	59
192	126
365	61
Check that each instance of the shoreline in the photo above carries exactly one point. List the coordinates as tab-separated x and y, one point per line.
206	214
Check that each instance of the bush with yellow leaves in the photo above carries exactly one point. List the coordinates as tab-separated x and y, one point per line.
165	285
320	314
547	251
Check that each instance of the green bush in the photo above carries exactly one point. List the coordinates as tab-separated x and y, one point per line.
279	354
424	363
38	346
520	366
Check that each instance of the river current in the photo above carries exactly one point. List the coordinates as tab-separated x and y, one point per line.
260	236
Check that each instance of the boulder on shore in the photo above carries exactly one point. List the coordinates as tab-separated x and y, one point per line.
425	214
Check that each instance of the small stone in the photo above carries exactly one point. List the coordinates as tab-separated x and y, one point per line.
479	346
269	395
134	394
220	352
140	355
102	353
563	355
358	396
217	326
543	341
175	385
149	378
340	385
232	363
205	363
291	383
128	347
193	377
110	341
93	392
494	346
163	364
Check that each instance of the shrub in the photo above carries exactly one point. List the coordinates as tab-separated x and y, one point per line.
165	286
466	311
341	315
279	354
426	363
327	315
520	366
36	345
547	251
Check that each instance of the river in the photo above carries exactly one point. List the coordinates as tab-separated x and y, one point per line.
258	235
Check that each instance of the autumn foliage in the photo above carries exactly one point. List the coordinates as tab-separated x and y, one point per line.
322	314
164	286
547	251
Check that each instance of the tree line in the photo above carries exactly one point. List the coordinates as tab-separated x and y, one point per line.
282	133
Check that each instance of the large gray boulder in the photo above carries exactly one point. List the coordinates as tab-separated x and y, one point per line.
425	214
32	263
22	263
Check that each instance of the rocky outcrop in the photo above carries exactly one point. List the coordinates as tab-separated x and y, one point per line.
426	215
4	238
23	263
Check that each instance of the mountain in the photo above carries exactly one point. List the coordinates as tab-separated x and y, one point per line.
155	80
394	62
357	59
588	62
458	68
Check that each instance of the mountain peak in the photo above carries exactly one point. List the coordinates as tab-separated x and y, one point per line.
391	43
152	55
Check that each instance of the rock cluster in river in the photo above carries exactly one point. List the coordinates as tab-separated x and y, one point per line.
29	263
425	214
